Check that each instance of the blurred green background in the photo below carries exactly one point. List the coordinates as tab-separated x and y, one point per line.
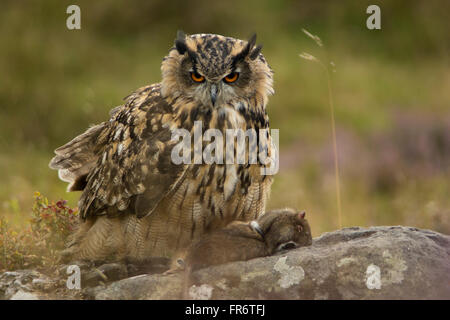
391	90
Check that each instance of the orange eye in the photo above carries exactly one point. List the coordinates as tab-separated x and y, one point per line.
232	77
197	77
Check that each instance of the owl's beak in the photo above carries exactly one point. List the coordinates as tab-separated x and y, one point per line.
213	94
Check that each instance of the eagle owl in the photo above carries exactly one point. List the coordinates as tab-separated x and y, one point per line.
136	203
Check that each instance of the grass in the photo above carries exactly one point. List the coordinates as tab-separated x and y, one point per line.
327	65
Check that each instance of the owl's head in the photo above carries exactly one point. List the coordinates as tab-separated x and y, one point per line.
216	71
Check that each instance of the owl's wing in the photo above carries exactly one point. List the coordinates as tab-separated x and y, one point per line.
128	167
78	157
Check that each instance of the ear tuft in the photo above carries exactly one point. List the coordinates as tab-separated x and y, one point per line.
180	42
248	47
255	52
251	42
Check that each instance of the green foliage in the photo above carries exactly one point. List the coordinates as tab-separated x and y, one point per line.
39	244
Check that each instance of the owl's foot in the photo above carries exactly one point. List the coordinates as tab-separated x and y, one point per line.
105	273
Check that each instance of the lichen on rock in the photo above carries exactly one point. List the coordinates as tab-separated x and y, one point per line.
352	263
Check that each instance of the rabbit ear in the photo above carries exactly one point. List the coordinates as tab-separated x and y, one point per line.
302	214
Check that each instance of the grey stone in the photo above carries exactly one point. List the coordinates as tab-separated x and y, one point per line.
353	263
22	295
22	285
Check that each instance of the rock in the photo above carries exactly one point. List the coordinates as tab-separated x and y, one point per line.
139	287
19	284
22	295
352	263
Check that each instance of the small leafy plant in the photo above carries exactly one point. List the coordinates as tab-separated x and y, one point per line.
38	245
